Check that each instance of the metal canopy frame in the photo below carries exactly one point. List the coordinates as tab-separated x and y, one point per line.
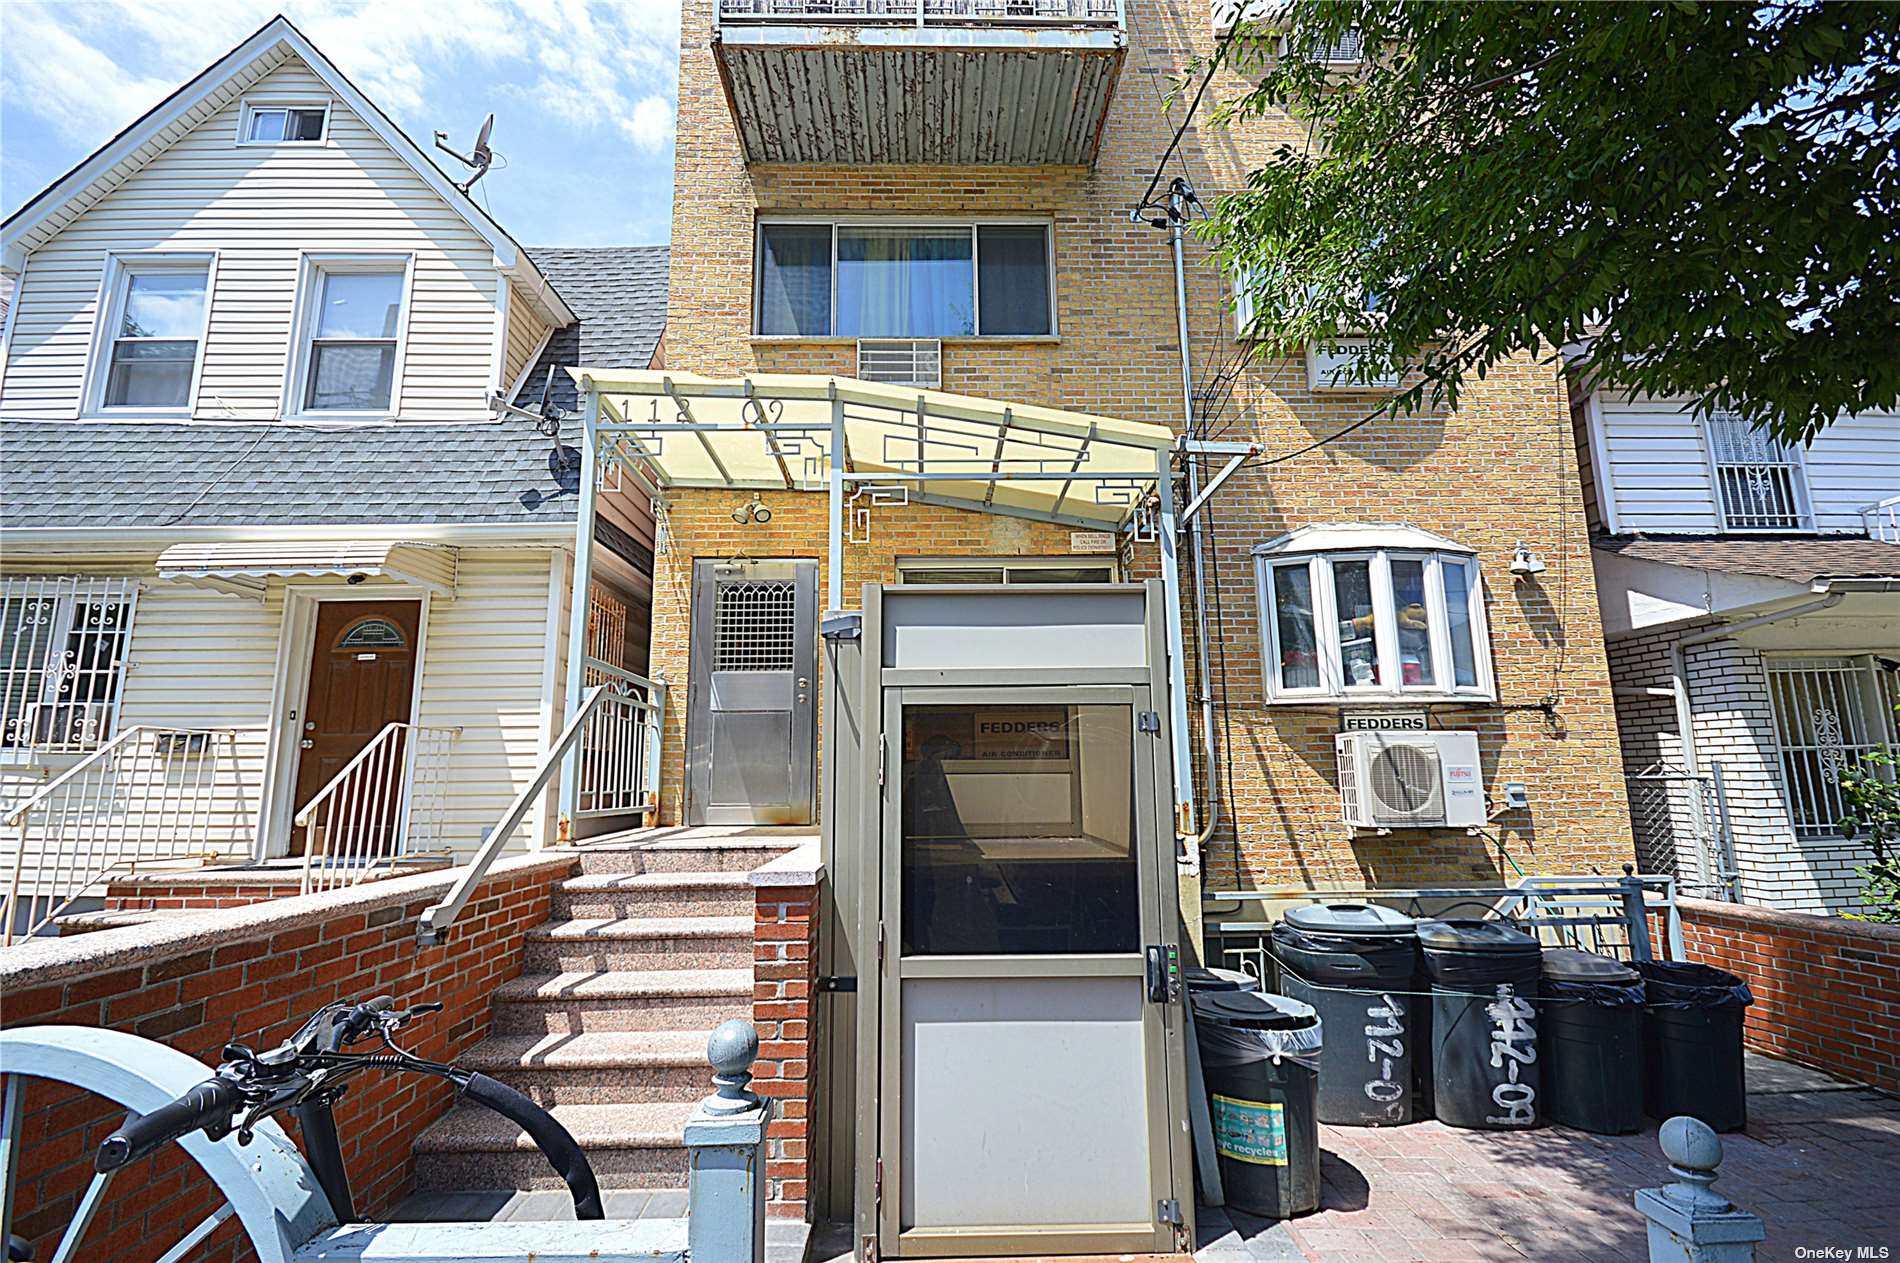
843	436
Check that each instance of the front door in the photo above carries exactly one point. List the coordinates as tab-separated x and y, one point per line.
362	678
751	710
1023	1103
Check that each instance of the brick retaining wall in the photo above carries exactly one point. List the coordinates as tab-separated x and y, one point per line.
1827	990
253	975
784	965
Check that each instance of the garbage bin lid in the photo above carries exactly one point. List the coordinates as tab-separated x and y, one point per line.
1253	1010
1349	918
1572	965
1468	934
1199	979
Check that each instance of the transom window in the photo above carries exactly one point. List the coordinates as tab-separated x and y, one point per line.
871	280
1760	482
278	124
350	347
154	324
62	659
1372	613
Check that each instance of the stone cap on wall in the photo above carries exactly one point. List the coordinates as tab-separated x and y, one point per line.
1770	920
803	865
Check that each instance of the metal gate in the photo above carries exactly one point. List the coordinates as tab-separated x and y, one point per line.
752	716
1681	823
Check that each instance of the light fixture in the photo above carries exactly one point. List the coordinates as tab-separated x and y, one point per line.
1525	563
752	511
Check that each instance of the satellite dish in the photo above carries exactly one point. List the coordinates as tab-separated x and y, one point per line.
477	161
482	152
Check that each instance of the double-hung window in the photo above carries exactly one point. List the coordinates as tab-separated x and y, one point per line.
152	333
1372	614
1760	482
884	280
62	659
350	337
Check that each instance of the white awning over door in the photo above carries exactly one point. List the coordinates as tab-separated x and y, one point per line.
246	569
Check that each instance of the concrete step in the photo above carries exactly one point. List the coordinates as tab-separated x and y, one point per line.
622	1000
629	1146
654	895
690	854
598	1067
605	944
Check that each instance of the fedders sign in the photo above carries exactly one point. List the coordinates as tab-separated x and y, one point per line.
1229	12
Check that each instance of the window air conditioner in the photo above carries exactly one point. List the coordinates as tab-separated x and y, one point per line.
901	361
1410	780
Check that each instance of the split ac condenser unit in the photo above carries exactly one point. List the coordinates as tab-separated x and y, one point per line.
1410	780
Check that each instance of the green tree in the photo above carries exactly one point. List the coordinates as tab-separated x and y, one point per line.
1871	797
1708	191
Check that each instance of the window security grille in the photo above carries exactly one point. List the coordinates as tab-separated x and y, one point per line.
62	656
606	627
902	361
1828	712
756	625
1759	481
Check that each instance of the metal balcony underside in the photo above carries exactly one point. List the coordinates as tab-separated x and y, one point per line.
925	96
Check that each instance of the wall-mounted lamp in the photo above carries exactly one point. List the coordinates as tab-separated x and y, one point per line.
1525	563
752	511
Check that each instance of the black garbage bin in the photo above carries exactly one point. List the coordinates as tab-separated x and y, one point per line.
1199	978
1353	962
1692	1043
1484	1022
1590	1039
1260	1060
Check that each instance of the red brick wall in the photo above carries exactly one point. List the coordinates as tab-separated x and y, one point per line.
784	958
256	985
1827	990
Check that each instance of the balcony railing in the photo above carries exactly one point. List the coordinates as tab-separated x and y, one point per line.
149	794
387	802
924	12
1882	520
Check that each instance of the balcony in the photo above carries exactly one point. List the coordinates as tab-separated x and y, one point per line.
920	82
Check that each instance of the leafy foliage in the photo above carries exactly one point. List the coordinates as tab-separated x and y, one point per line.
1872	801
1705	191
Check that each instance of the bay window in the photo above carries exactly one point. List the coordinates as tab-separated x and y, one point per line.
1372	613
877	279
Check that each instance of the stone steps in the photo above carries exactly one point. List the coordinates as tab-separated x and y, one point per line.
665	894
604	944
668	855
628	1145
622	1000
599	1067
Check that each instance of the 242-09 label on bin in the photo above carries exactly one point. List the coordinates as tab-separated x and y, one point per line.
1250	1131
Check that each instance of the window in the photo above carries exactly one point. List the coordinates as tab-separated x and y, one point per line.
153	327
1760	483
1828	712
62	657
881	280
352	334
278	124
1012	570
1372	613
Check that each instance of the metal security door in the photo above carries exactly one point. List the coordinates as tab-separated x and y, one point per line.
752	715
1026	993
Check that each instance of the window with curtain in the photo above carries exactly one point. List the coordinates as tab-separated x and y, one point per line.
869	280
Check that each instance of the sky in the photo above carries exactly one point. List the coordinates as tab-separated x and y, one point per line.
583	92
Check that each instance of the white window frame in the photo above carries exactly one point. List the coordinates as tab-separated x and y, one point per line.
1387	688
115	284
249	108
1875	690
312	268
65	593
835	222
1049	561
1792	458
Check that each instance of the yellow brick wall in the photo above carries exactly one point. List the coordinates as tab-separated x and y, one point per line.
1499	470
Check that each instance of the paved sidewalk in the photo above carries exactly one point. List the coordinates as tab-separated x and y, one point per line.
1820	1163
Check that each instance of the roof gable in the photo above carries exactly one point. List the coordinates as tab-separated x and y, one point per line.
214	88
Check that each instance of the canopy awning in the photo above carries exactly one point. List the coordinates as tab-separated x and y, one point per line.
245	569
779	431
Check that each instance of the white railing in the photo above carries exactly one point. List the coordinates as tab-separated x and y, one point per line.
149	794
1882	520
387	802
925	12
619	771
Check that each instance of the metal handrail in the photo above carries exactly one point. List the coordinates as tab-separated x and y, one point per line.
365	808
436	920
1882	520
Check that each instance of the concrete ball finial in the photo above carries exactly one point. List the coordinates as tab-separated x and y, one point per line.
1690	1144
733	1047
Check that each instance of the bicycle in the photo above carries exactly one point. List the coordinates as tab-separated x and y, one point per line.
304	1076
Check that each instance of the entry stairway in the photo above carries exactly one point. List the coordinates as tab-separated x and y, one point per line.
649	949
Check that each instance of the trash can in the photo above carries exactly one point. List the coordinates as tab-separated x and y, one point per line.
1198	978
1353	963
1590	1040
1260	1060
1692	1043
1484	1022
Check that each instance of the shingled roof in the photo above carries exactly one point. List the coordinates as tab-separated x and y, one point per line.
1798	560
144	476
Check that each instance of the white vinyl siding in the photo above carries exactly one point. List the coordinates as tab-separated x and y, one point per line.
526	331
1657	475
261	207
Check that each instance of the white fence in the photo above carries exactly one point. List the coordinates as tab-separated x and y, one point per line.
1882	520
619	754
390	801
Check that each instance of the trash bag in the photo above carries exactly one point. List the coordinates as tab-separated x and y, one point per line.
1236	1028
1677	984
1609	995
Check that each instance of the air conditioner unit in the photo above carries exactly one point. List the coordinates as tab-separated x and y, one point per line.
1410	779
901	361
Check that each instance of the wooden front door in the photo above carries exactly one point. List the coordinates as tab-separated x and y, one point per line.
362	677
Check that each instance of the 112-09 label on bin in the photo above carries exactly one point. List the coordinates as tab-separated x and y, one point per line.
1250	1131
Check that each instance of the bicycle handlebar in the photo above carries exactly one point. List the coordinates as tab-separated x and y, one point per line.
209	1106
